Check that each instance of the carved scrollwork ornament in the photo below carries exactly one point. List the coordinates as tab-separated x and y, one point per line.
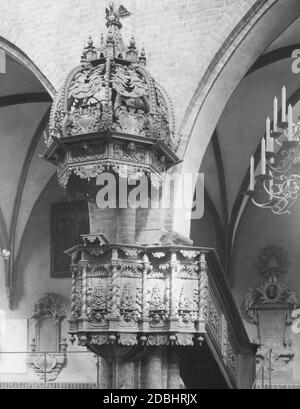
185	339
51	304
189	254
128	339
128	82
96	251
224	336
130	307
272	291
188	306
158	312
98	309
215	316
130	252
49	364
157	340
99	339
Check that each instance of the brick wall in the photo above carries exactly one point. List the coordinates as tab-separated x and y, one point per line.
181	37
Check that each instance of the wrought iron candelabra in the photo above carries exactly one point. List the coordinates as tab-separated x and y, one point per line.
279	171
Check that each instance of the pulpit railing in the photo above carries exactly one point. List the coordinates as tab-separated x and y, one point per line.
237	352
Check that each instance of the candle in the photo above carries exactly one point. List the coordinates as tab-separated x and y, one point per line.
268	134
251	173
283	109
290	122
272	149
275	114
271	188
263	156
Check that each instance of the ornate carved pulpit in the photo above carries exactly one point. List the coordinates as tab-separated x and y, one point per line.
139	290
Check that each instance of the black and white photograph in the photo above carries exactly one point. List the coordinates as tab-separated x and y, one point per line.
149	197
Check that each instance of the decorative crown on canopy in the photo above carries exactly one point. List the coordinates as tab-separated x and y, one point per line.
111	91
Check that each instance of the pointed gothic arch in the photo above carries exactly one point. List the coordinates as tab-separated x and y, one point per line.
239	51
